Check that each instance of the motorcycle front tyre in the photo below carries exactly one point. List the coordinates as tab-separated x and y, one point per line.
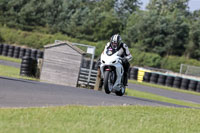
121	92
106	83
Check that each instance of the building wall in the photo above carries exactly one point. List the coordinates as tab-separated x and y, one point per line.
61	65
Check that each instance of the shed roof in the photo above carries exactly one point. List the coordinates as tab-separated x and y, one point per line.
65	43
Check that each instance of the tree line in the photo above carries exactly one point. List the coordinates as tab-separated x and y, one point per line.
166	27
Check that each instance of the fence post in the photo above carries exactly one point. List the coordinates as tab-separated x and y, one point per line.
98	80
91	63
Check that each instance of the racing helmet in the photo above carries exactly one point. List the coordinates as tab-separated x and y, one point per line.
115	41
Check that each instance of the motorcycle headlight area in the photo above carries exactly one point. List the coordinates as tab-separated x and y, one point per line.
114	62
103	61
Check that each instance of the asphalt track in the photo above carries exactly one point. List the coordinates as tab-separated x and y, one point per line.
26	93
10	63
167	93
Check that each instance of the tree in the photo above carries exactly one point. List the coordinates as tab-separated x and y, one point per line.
10	11
52	13
156	33
124	8
163	7
32	14
193	47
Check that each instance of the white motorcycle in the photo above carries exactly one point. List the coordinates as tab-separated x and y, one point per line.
112	72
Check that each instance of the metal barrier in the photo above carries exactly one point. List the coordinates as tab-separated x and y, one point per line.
84	76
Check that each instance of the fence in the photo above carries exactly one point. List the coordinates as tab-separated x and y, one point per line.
85	77
190	70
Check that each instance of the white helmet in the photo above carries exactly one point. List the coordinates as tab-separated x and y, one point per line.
115	41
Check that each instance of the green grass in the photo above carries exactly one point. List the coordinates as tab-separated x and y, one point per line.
10	59
135	93
8	71
164	87
118	119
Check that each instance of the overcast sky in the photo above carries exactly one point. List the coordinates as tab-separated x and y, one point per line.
193	4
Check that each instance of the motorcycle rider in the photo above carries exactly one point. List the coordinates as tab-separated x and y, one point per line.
117	44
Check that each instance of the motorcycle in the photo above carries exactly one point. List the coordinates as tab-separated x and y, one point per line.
112	72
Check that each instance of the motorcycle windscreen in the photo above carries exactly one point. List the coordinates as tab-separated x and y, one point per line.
110	51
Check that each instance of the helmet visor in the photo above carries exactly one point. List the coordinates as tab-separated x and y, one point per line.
114	44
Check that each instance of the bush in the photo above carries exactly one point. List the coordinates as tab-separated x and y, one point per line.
145	59
174	62
35	39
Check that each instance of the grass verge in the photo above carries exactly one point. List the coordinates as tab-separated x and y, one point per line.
135	93
8	71
119	119
164	87
10	59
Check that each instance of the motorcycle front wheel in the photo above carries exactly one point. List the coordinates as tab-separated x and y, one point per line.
121	92
108	85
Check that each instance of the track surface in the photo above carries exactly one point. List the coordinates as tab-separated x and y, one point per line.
166	93
9	63
25	93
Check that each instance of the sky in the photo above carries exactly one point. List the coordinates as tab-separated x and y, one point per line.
193	4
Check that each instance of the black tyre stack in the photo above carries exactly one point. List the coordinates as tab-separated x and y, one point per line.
133	73
146	77
169	81
84	63
34	67
16	52
1	49
162	79
5	50
177	82
22	52
95	65
88	64
11	51
40	54
28	53
185	84
192	85
198	87
154	78
28	66
34	53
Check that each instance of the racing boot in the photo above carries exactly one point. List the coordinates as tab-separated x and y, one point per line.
125	79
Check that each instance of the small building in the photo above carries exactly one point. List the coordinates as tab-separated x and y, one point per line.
61	64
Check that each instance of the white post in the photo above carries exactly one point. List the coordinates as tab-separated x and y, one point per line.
181	69
91	64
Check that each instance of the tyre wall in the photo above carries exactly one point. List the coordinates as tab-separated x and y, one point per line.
19	52
28	66
172	81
